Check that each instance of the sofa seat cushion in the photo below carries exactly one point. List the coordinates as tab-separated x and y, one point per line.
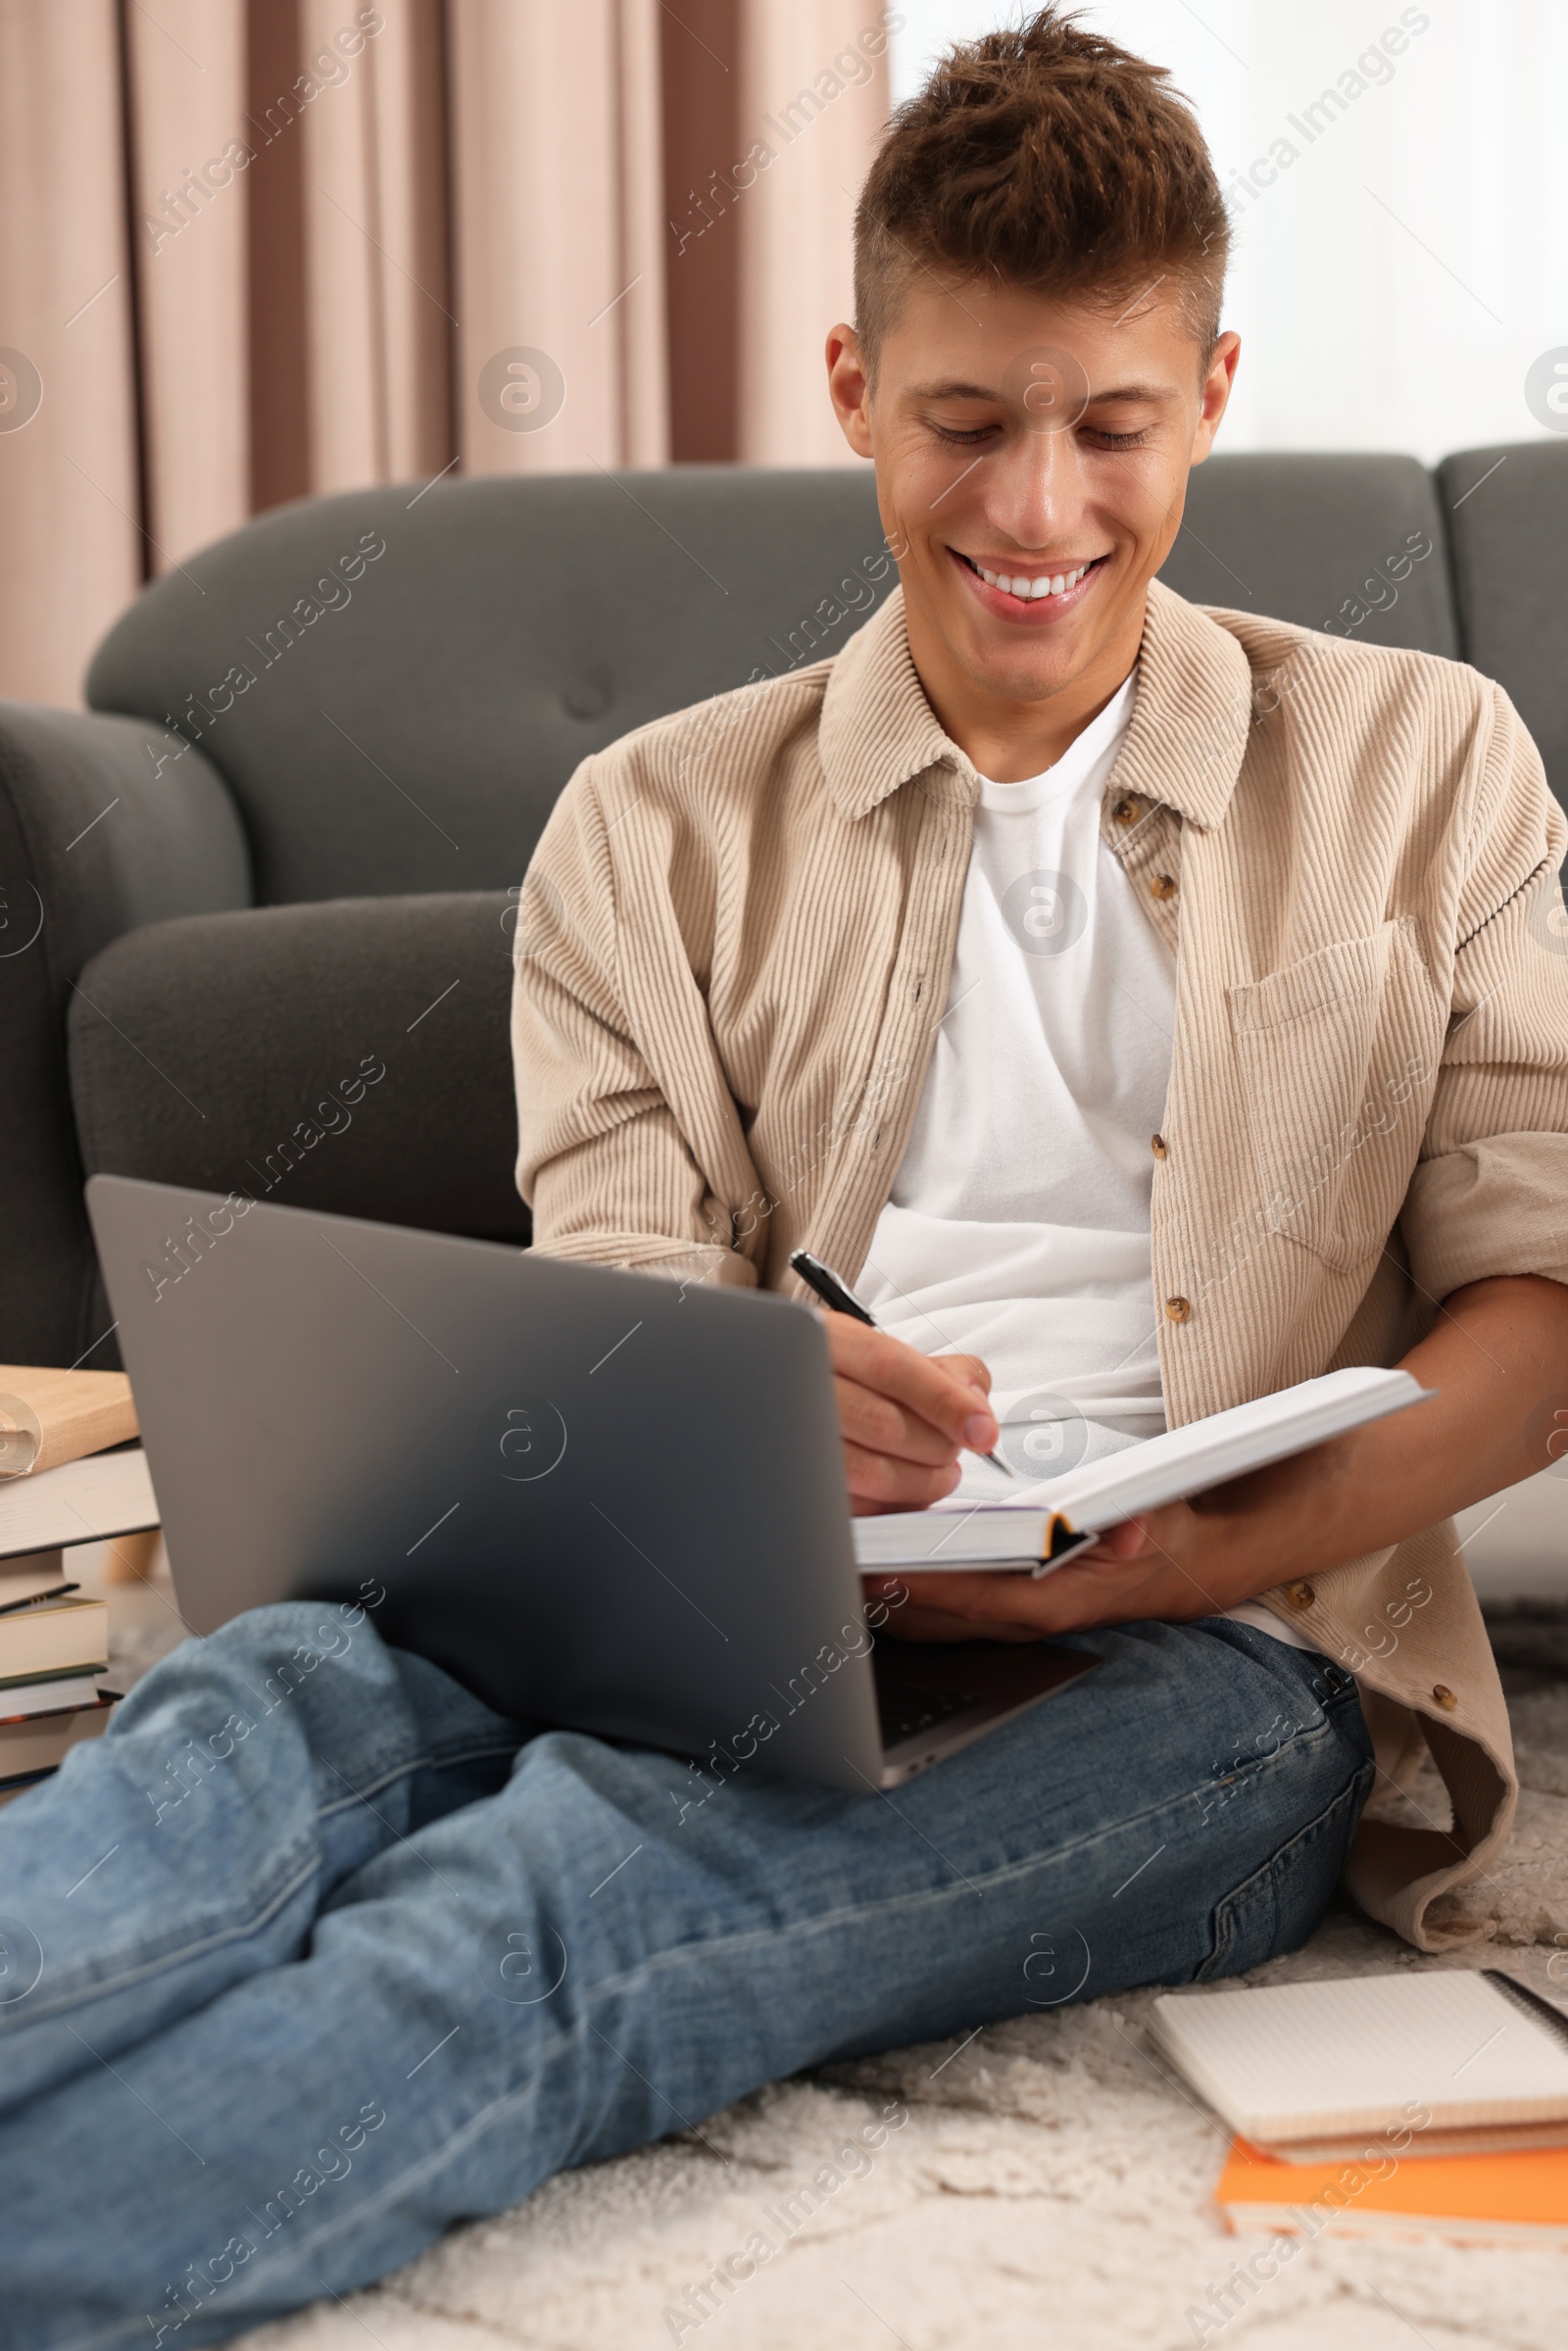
350	1055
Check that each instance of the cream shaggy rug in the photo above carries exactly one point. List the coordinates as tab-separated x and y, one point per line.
1049	2185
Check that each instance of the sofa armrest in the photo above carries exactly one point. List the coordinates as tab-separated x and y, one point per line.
102	829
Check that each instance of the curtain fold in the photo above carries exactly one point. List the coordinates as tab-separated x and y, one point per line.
69	470
813	89
559	264
376	315
185	92
253	250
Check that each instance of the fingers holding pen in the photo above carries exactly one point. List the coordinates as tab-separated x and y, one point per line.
905	1417
910	1393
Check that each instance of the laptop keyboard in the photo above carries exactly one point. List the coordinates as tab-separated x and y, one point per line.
905	1713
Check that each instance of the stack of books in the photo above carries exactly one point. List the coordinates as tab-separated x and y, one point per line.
54	1643
1431	2105
54	1649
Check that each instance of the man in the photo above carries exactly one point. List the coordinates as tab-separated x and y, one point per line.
1144	1006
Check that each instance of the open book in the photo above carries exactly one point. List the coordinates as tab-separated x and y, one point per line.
1064	1515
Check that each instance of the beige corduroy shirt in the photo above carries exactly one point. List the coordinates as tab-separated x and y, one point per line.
734	944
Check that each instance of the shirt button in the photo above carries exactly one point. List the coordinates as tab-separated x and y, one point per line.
1157	1144
1300	1595
1445	1696
1125	811
1162	885
1179	1309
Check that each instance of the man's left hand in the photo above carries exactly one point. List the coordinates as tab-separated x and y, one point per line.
1497	1358
1170	1563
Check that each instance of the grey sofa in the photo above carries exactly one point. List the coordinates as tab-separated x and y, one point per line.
276	959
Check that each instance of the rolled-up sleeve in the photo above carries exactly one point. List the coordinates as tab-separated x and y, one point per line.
602	1158
1490	1195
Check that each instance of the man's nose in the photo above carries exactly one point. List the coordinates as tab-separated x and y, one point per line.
1034	493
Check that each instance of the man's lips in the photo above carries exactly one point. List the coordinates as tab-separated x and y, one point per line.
1030	611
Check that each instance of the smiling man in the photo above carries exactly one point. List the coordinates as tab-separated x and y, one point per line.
1144	1006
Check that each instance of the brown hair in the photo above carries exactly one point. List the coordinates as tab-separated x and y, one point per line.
1043	157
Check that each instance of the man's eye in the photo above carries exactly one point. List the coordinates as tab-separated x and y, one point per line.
964	439
1116	440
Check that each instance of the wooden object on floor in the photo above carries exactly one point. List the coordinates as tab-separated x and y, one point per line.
131	1558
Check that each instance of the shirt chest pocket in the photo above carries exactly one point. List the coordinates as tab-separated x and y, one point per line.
1337	1057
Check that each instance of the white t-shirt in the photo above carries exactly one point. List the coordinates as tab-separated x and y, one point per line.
1018	1224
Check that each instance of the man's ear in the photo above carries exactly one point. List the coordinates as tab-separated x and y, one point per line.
850	386
1217	384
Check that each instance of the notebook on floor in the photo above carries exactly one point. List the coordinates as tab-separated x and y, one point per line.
1518	2198
1447	2061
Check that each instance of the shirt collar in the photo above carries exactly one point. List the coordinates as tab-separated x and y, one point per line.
877	728
1191	717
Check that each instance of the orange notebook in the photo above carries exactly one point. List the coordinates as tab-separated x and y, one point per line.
1508	2199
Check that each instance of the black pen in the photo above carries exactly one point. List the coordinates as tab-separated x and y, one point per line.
841	1297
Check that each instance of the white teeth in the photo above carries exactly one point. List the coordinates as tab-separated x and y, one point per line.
1030	591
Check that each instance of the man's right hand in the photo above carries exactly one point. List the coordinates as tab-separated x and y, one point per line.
905	1417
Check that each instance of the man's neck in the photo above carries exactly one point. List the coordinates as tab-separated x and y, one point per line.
1010	739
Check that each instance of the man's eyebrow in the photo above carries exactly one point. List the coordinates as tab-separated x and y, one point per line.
953	390
956	389
1154	392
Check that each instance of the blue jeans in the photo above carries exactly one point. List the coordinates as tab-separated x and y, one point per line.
313	1955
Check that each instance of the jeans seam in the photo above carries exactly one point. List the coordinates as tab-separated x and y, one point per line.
1355	1793
435	1761
168	1961
1349	1711
918	1897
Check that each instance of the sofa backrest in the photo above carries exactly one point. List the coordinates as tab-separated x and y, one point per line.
405	680
1351	544
396	683
1507	518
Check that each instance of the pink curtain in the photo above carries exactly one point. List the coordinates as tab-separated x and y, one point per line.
376	292
814	96
185	102
561	249
69	467
259	249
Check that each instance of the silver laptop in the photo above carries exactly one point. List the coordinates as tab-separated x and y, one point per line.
599	1500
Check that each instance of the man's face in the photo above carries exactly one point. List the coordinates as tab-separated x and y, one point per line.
1031	460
